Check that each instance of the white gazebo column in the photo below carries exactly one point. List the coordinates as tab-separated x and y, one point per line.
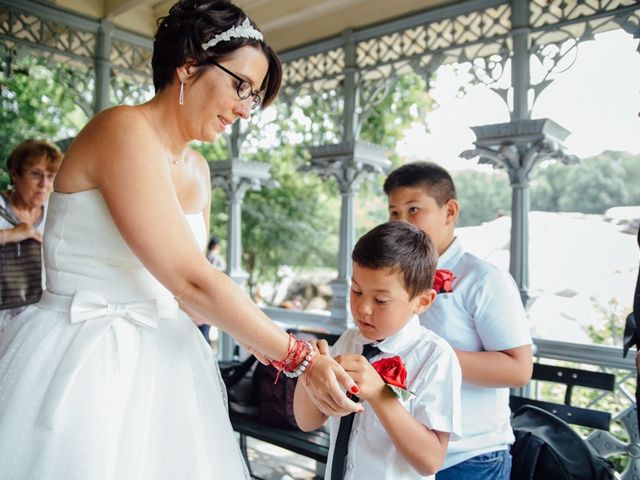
518	147
103	66
348	164
235	176
520	69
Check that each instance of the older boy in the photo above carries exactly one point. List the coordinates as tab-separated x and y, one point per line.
393	268
482	318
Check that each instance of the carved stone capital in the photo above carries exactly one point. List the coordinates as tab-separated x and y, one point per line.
236	176
348	162
518	146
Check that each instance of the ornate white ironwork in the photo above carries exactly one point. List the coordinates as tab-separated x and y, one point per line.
132	59
321	67
42	33
127	90
550	12
81	82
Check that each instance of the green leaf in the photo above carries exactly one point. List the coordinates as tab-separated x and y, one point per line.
400	393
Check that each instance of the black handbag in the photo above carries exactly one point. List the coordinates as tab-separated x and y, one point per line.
20	270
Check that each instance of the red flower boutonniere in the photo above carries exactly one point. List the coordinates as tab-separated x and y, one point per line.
443	281
394	374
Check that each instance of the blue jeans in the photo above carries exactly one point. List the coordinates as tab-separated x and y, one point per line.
488	466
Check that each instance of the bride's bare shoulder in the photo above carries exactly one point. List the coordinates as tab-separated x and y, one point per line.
122	119
114	129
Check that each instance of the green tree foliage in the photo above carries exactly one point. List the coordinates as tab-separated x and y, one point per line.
594	185
483	196
295	224
406	102
34	105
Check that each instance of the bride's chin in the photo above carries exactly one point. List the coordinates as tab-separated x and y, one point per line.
210	136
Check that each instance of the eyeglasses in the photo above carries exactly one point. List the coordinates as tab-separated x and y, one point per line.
38	175
243	88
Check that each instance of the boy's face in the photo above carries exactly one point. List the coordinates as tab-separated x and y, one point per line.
380	305
415	206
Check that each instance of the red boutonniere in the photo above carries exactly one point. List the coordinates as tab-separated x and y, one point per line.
394	374
443	281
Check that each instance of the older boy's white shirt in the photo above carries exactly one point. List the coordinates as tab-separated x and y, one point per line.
483	312
433	374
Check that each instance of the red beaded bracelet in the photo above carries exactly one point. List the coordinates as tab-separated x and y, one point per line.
296	360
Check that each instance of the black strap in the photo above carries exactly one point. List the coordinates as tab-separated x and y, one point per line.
344	431
4	213
525	452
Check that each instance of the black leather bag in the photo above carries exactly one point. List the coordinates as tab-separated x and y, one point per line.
547	448
20	270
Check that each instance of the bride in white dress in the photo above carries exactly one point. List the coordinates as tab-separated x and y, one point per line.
107	377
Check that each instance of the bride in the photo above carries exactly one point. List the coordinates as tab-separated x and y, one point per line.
107	377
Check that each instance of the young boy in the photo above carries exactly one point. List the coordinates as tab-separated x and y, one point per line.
393	269
482	318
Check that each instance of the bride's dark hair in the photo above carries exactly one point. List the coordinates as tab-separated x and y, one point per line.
189	24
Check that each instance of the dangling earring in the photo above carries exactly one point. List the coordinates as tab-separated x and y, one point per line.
181	97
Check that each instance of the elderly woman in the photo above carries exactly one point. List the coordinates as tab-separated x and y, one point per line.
32	166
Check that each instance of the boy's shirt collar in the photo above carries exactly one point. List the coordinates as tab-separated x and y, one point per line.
397	341
451	255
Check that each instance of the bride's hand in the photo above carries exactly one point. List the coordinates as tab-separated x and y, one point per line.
326	383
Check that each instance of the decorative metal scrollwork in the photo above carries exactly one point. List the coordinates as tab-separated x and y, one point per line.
41	32
372	93
81	82
319	67
555	53
607	445
133	59
129	90
550	12
322	106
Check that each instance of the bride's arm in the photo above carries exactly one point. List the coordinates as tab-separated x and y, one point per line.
119	154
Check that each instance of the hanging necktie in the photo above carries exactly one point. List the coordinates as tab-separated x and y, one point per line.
344	431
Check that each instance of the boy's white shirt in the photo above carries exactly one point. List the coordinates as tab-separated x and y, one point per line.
433	374
483	312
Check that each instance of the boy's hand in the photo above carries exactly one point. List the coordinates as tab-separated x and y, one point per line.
366	377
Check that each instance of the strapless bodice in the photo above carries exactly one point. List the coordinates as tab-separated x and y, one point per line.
83	250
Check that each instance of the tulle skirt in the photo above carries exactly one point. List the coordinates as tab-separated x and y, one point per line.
112	399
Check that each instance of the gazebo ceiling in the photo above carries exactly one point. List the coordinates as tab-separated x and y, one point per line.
286	23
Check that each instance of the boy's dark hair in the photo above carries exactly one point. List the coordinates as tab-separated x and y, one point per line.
400	247
189	24
430	176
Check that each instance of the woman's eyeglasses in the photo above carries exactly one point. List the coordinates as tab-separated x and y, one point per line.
38	175
243	89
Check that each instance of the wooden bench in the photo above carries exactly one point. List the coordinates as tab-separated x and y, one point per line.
570	377
314	445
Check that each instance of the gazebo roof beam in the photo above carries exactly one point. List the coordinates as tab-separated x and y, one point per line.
113	8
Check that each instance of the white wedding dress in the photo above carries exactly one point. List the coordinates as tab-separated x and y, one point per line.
105	378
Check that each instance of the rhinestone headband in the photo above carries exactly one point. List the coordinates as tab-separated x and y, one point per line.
245	30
